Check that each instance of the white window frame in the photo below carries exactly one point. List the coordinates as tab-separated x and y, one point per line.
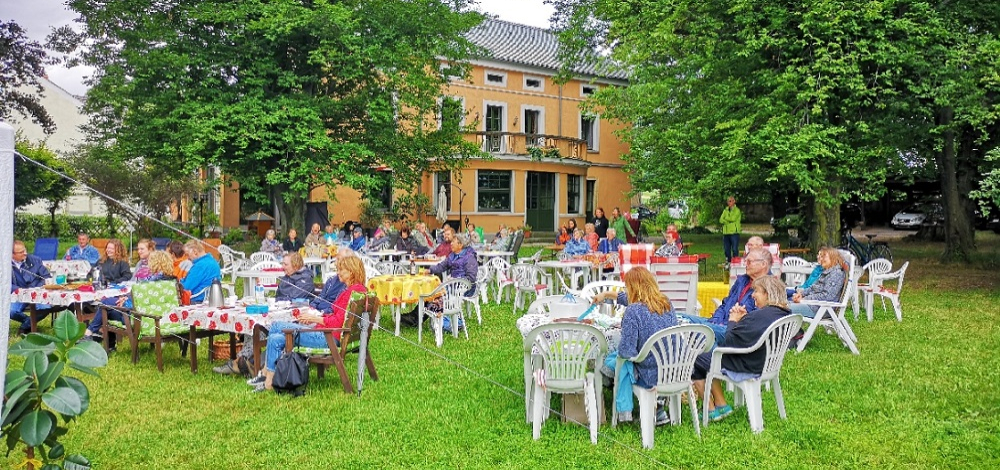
440	100
541	118
539	88
503	123
583	89
486	78
512	193
579	195
597	130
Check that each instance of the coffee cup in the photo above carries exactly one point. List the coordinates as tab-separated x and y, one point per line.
61	279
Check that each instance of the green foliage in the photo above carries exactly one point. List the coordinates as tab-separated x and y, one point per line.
24	61
32	226
32	182
42	400
283	96
538	153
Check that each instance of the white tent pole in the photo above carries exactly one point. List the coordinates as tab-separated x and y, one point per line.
6	236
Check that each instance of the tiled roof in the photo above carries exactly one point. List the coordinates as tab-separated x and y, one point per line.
528	45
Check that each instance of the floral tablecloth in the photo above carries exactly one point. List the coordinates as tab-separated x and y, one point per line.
598	260
399	289
232	319
75	269
41	295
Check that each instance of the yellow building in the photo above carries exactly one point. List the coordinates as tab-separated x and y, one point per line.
551	161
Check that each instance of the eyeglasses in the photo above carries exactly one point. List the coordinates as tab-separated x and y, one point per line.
756	261
21	252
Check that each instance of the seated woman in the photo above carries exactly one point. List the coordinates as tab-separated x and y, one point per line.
144	248
292	243
612	243
744	330
473	233
358	242
409	244
813	277
564	236
159	267
501	240
297	283
648	312
577	245
271	245
181	262
590	234
351	272
828	287
670	245
114	266
330	237
460	263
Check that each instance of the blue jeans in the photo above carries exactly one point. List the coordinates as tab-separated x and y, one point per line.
17	314
113	314
719	330
802	309
731	246
276	341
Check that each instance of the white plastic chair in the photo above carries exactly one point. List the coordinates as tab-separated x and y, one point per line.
563	358
795	270
875	268
270	283
679	283
261	256
232	261
451	292
391	267
775	343
482	282
674	349
500	272
591	290
833	315
531	259
528	279
886	292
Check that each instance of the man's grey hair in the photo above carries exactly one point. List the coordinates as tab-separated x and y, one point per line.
461	238
761	254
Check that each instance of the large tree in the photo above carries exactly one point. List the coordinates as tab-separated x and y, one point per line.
822	96
23	62
282	96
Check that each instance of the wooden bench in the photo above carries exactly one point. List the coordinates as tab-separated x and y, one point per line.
794	251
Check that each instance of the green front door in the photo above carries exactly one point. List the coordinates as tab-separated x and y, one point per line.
540	212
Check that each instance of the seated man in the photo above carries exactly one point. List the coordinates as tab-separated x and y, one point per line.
610	244
444	248
297	283
83	250
740	298
204	270
27	271
358	242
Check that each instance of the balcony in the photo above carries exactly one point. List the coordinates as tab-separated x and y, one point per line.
536	146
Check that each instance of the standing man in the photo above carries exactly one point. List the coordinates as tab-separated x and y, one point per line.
83	250
730	221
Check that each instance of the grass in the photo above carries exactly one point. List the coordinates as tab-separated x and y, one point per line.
922	394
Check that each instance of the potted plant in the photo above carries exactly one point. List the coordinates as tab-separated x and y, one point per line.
526	229
41	400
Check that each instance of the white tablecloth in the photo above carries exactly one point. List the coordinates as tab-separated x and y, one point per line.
41	295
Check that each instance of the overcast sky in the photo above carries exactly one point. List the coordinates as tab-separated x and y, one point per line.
38	17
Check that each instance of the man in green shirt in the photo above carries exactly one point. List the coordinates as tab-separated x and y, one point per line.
730	221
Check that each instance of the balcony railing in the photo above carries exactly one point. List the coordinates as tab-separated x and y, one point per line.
536	146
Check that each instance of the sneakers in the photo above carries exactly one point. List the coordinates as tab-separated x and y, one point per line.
720	413
226	369
661	417
256	380
259	387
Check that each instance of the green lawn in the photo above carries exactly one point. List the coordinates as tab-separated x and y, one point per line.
922	394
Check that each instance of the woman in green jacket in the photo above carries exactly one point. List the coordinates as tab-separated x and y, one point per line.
620	224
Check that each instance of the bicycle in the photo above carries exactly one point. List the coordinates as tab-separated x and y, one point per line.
864	252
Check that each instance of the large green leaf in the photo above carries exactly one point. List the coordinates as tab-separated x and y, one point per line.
31	344
36	364
35	427
51	374
88	354
50	466
18	409
15	393
76	462
63	400
65	326
80	388
13	379
13	437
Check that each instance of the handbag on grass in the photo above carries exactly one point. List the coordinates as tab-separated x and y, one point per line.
291	373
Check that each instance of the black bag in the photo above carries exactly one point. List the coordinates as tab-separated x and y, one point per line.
291	373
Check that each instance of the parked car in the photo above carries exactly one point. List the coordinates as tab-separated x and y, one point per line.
644	212
918	214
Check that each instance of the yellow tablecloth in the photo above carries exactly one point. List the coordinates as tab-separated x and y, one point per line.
402	289
708	291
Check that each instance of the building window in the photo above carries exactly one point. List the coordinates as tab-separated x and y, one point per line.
534	83
495	78
589	130
573	194
534	125
587	90
494	123
493	191
451	114
442	178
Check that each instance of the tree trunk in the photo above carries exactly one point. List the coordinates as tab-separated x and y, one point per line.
826	221
291	208
959	237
